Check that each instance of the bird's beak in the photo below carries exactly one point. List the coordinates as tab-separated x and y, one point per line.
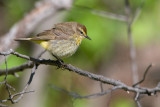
88	37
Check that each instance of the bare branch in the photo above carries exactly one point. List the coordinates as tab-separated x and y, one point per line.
105	80
19	68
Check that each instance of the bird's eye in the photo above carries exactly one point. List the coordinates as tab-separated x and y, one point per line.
81	32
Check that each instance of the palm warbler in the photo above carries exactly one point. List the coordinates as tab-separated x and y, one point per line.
63	40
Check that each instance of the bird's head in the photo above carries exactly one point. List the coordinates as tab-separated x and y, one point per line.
82	31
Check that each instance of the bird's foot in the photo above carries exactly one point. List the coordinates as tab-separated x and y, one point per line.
59	62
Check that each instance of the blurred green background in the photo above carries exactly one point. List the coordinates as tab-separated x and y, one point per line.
108	35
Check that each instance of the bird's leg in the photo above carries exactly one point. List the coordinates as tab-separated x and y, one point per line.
58	59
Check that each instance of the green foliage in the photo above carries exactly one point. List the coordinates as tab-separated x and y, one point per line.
92	3
79	102
122	102
16	9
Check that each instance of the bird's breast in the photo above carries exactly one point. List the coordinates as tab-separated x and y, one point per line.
63	48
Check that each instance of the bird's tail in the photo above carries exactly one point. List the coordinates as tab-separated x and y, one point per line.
23	39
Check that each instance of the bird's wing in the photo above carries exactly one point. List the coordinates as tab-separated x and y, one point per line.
45	36
59	32
63	29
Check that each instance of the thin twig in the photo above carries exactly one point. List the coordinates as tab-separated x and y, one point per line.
131	43
14	95
137	100
97	94
109	100
10	87
101	86
105	14
29	81
138	11
19	68
138	103
6	71
77	96
137	97
144	76
6	84
25	88
20	94
2	82
41	53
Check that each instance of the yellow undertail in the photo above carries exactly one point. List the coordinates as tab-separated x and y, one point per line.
44	44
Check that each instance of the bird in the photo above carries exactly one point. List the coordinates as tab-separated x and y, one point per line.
62	40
